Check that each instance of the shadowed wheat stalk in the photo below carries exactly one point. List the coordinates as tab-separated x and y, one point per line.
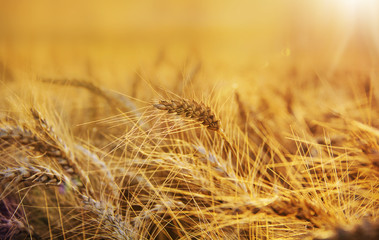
366	230
13	224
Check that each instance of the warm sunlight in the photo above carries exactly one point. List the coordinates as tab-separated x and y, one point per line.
189	120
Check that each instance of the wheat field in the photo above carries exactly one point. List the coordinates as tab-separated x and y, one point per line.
189	120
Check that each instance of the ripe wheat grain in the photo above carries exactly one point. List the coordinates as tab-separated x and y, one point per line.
66	158
113	224
11	178
191	109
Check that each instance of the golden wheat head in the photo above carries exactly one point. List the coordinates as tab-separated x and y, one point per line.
191	109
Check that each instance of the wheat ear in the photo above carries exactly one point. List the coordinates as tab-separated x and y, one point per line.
13	222
191	109
49	148
365	230
66	158
15	229
287	208
108	176
198	111
32	174
301	209
13	177
111	222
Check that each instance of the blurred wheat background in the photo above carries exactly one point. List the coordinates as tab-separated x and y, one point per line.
189	119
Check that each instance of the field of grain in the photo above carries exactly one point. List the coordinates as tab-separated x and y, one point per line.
189	120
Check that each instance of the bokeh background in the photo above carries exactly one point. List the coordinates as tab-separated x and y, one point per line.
116	39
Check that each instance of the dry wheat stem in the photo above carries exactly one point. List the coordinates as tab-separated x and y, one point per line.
83	84
115	100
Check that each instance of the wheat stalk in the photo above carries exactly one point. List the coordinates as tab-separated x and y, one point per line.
115	100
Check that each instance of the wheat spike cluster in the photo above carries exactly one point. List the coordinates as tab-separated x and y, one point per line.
189	120
166	172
